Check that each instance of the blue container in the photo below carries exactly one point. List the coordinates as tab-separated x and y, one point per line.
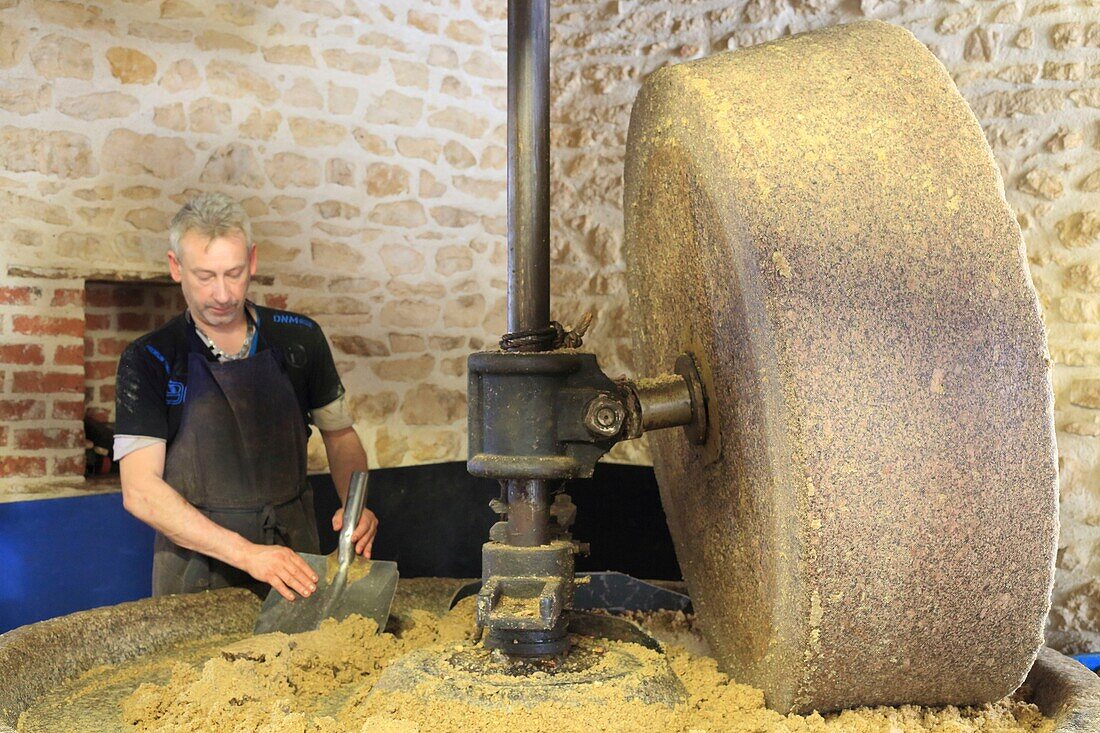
1092	661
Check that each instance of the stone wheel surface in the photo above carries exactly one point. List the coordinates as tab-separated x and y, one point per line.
873	519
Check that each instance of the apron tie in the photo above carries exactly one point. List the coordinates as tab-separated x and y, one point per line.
274	532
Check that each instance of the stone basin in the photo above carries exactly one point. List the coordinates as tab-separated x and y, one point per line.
38	658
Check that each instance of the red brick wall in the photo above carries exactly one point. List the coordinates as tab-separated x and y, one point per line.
41	378
116	314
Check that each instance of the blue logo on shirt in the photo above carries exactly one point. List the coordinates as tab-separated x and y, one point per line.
177	393
292	319
158	355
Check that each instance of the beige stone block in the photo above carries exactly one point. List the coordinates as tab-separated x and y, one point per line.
455	367
491	9
356	345
181	76
1089	428
271	252
85	16
496	320
453	258
335	256
453	217
135	154
465	31
409	214
370	142
318	7
1013	104
982	44
494	157
297	55
399	259
210	40
24	96
352	284
383	179
1078	230
460	121
427	22
342	100
339	172
339	305
442	57
286	205
446	343
429	187
84	246
410	369
1025	38
377	39
1006	13
279	229
170	116
402	289
140	193
428	404
394	108
415	147
13	44
255	206
105	192
1064	139
61	154
408	313
1085	393
16	206
1067	35
292	169
304	93
390	448
234	80
209	115
131	66
57	56
496	225
1019	73
466	311
1070	71
261	124
455	87
356	62
490	190
458	155
235	164
148	218
429	446
1042	183
483	65
331	209
158	32
1091	182
372	406
316	133
406	343
410	73
1089	97
179	9
959	21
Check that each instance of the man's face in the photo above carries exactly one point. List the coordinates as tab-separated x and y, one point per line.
214	274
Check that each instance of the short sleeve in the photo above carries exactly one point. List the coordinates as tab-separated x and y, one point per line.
324	382
140	407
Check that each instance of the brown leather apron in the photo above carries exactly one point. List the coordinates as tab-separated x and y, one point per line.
240	458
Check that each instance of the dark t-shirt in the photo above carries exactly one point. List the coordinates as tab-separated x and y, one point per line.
151	389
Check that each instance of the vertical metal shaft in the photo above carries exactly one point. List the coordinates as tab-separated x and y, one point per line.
528	512
528	165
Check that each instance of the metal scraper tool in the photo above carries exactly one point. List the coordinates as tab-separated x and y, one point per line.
346	583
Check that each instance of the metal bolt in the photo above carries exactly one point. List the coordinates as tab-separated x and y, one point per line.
604	416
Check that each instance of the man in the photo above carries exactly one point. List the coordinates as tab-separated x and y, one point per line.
212	421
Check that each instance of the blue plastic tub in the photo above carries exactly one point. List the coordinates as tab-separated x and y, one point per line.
1092	661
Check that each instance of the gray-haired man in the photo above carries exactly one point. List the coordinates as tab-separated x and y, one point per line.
212	420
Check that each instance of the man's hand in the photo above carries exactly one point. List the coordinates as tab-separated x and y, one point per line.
281	568
363	536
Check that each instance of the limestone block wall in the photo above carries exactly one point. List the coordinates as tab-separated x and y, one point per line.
367	140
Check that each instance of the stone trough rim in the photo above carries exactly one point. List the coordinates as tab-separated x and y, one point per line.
1062	688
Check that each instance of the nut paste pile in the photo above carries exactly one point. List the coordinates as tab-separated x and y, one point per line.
321	682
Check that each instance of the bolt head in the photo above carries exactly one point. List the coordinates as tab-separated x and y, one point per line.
604	416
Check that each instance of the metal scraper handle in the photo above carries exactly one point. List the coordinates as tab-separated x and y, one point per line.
357	496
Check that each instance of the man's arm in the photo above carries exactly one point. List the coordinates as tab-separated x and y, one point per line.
146	495
346	455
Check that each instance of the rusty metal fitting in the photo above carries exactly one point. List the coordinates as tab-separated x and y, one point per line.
604	416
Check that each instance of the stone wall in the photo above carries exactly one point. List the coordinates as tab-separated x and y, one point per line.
367	140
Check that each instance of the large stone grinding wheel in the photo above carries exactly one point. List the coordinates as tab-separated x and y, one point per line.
873	519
